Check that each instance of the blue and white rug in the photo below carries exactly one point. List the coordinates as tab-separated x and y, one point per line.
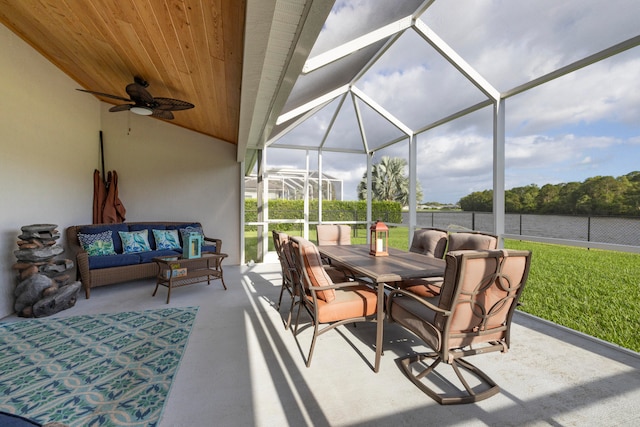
98	370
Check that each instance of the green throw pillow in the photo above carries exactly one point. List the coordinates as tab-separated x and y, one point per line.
135	241
166	239
97	244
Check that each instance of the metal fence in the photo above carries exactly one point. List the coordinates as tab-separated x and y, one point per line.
612	230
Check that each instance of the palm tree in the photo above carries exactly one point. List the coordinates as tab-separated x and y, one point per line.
388	182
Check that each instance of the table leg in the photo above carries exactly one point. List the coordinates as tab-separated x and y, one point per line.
379	325
156	289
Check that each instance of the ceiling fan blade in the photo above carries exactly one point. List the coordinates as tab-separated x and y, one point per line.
169	104
162	114
106	95
139	94
123	107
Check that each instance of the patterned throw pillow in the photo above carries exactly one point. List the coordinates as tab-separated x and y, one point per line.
135	241
98	243
166	239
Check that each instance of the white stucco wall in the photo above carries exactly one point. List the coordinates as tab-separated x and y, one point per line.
49	148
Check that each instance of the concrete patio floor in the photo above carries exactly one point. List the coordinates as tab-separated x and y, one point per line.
242	368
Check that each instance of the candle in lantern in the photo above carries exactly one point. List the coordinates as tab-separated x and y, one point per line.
379	247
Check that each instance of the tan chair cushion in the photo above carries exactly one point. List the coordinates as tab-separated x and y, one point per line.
316	272
465	319
417	318
333	234
430	242
427	287
356	301
468	320
472	241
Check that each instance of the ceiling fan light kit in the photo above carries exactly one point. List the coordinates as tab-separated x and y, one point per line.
143	111
143	103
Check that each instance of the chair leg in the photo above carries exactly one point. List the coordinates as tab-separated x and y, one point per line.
290	315
282	288
280	299
468	395
313	343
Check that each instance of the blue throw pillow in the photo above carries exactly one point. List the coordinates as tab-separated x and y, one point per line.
97	243
166	239
184	232
135	241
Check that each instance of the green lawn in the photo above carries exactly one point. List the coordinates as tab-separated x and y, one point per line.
589	290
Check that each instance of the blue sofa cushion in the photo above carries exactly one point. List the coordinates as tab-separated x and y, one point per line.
209	248
114	228
106	261
150	227
148	256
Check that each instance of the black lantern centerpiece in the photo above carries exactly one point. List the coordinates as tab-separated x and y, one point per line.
379	239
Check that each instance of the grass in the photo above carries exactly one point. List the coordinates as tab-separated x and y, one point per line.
593	291
589	290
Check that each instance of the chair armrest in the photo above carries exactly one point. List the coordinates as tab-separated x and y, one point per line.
218	243
421	300
339	286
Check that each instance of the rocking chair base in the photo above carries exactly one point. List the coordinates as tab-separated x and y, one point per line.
466	395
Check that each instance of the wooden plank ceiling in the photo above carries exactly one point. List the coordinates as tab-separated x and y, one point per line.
185	49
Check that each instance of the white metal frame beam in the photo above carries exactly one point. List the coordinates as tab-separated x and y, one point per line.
323	99
381	110
499	169
355	45
574	66
456	60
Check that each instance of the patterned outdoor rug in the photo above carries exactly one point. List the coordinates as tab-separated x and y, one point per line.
99	370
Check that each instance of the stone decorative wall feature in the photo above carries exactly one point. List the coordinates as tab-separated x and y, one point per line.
44	286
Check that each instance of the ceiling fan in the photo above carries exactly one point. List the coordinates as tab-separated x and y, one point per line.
143	103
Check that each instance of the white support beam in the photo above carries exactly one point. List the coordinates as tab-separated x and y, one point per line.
591	59
334	117
413	178
456	60
381	110
369	193
295	123
305	232
355	45
314	148
241	202
320	186
499	169
455	116
327	97
363	134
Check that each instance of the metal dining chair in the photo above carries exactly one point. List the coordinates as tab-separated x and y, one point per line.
471	315
328	303
431	241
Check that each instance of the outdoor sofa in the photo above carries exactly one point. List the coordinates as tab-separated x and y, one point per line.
125	262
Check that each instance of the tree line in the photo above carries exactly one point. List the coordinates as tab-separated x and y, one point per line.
599	195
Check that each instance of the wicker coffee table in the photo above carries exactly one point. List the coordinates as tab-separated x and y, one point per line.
175	271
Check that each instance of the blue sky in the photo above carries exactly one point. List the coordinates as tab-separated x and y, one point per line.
580	125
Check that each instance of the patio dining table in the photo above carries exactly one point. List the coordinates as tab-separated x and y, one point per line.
383	270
